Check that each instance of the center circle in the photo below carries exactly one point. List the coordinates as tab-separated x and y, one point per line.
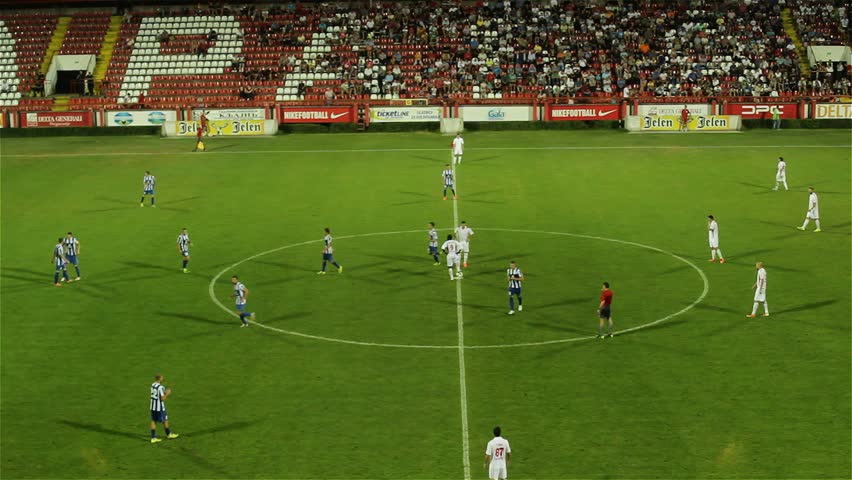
688	263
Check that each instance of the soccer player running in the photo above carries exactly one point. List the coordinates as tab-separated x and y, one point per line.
433	243
759	288
781	174
451	249
713	234
59	261
183	244
458	149
201	130
813	210
328	253
159	393
449	183
148	182
241	294
72	249
463	234
497	454
605	311
516	278
684	119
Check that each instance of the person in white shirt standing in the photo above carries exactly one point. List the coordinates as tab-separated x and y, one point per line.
497	455
759	288
463	234
781	174
713	233
458	148
451	248
813	210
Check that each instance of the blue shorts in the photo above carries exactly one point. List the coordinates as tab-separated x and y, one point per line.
241	307
433	250
147	192
159	417
185	253
327	257
60	267
72	259
515	291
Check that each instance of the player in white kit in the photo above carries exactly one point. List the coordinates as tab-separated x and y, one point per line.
451	248
463	234
813	210
781	174
458	148
497	455
759	288
713	233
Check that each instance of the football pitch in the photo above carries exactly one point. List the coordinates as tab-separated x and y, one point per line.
390	370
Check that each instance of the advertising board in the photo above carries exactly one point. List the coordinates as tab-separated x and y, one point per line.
230	113
405	114
139	118
657	109
836	111
697	123
751	111
223	128
56	119
583	112
496	113
315	115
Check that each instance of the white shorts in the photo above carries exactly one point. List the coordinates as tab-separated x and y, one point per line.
457	151
497	471
464	247
814	214
452	259
780	178
759	296
714	243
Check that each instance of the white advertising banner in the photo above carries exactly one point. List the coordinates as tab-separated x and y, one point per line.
496	113
231	113
673	109
140	118
839	111
405	114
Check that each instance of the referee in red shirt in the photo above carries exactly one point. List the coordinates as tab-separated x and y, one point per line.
604	310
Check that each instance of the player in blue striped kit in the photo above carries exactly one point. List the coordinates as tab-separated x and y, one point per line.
240	293
183	244
148	182
328	252
449	182
59	261
516	277
433	243
72	249
158	409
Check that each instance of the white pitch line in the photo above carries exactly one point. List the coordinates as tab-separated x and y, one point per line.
460	317
374	150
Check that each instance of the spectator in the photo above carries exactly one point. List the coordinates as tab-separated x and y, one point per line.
140	101
163	37
212	35
246	92
5	85
329	96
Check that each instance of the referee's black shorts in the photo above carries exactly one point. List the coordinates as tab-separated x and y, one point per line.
606	313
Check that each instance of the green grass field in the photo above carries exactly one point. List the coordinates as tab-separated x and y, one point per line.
707	393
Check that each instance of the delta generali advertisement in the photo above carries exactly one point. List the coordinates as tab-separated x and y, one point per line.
56	119
316	115
405	114
582	112
751	111
833	111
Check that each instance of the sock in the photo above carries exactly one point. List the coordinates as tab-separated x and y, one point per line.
712	254
511	303
451	273
323	265
445	191
142	200
600	328
168	431
766	308
754	309
153	433
520	301
807	220
185	262
776	186
152	200
454	191
243	318
56	277
465	257
436	258
817	223
337	265
460	157
720	253
78	270
785	185
65	274
610	326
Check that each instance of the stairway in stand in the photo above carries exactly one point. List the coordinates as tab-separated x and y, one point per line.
790	30
60	103
107	48
55	42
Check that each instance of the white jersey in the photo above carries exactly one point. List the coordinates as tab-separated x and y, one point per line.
498	449
458	145
463	234
760	288
782	170
451	247
713	234
813	206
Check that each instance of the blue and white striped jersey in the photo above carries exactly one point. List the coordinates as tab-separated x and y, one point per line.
59	255
433	238
71	245
183	241
240	293
148	181
448	176
515	275
327	248
157	393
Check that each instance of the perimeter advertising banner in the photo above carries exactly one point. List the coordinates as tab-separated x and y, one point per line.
697	123
56	119
315	115
673	109
230	113
834	111
496	113
140	118
405	114
223	128
583	112
762	110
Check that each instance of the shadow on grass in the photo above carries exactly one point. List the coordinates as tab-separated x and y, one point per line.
805	306
98	428
194	318
281	318
150	266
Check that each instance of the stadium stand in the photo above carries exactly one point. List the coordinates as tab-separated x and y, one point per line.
23	42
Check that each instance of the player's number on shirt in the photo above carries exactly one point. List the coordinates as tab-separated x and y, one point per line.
498	452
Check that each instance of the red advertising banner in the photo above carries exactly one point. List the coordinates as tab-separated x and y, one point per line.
751	111
583	112
56	119
316	115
